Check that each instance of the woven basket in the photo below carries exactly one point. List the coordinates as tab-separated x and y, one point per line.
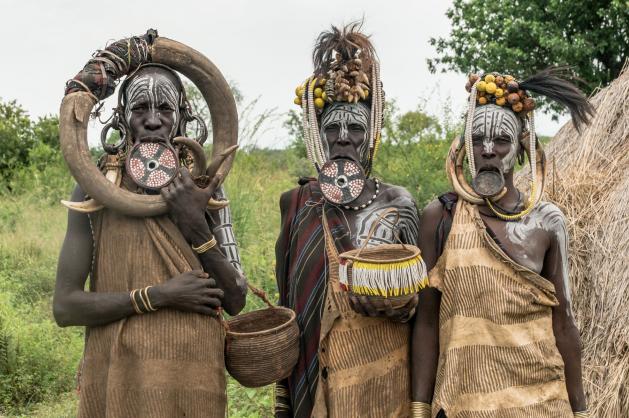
262	346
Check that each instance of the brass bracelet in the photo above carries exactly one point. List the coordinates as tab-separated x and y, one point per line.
279	406
581	414
281	391
134	302
146	306
148	301
205	247
421	410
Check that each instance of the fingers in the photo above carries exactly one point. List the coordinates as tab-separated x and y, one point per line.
205	310
388	309
200	273
211	302
214	292
185	178
355	304
368	306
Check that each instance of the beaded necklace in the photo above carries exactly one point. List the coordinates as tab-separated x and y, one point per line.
364	205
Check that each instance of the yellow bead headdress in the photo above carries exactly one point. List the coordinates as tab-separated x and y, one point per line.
346	70
504	90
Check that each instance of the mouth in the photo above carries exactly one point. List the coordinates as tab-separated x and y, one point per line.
489	168
153	139
343	157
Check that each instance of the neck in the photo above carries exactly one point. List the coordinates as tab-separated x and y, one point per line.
511	198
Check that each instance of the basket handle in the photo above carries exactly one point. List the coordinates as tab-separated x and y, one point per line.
261	294
372	230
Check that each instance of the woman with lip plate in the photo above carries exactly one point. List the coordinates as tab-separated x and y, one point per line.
354	354
495	335
146	238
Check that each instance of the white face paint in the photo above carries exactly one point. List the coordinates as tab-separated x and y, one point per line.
491	122
155	89
344	115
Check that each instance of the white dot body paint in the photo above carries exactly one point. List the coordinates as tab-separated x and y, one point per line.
491	121
155	89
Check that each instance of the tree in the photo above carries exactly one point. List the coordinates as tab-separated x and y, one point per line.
524	36
16	138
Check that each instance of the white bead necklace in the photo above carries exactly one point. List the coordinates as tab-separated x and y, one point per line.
364	205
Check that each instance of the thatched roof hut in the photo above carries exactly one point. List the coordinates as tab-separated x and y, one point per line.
589	180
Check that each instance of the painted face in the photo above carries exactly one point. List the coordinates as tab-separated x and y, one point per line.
344	128
495	135
152	108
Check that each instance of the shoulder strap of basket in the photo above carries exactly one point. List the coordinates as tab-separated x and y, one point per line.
328	235
372	230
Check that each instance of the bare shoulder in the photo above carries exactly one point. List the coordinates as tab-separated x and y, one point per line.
550	217
430	217
392	192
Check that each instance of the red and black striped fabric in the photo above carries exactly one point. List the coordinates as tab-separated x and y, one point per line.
301	272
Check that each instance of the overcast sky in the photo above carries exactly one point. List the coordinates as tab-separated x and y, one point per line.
263	46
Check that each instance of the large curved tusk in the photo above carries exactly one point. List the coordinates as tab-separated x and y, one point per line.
87	206
90	205
214	204
454	170
76	108
218	164
198	155
214	88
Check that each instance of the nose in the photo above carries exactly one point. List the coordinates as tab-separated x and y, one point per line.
153	121
343	137
488	150
488	153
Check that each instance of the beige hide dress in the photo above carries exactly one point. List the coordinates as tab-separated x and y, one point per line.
498	357
364	363
162	364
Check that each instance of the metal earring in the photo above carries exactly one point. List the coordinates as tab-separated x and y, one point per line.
186	118
113	149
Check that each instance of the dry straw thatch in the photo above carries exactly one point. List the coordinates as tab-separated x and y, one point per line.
588	179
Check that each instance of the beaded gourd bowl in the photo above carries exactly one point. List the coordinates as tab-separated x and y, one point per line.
395	272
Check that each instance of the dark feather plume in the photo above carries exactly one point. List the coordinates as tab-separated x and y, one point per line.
346	41
547	83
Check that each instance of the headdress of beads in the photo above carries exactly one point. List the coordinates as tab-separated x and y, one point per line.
346	70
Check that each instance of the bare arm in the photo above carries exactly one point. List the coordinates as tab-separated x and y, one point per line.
564	327
425	340
72	305
187	204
